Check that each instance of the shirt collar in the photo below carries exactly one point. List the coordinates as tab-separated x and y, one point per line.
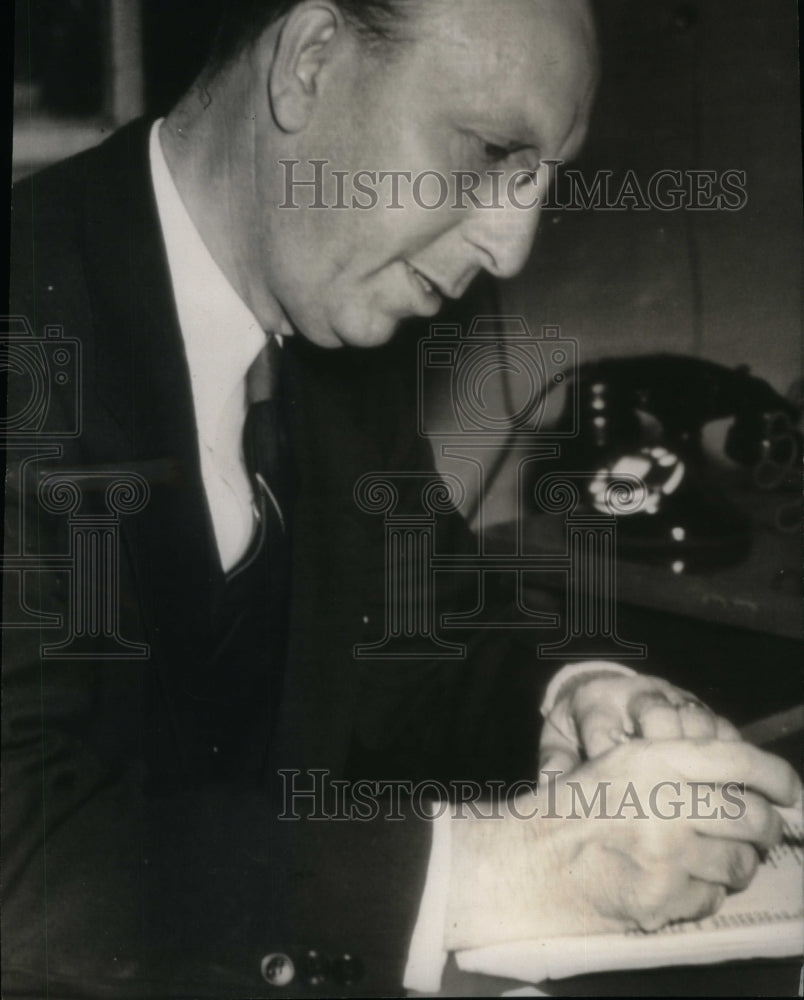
222	337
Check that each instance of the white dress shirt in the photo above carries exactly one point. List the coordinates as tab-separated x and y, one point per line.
222	339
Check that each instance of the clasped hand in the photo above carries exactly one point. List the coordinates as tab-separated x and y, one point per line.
593	715
652	811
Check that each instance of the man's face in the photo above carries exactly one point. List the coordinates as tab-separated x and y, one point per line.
482	86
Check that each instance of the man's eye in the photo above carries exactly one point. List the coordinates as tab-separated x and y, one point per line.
516	157
495	153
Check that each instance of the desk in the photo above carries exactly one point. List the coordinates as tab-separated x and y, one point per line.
761	594
731	635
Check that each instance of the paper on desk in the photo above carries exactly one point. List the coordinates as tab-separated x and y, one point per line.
764	921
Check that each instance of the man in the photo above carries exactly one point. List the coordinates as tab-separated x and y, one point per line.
143	853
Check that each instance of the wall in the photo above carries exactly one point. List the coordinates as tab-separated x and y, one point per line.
707	85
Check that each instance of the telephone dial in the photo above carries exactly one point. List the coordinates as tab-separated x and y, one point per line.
644	417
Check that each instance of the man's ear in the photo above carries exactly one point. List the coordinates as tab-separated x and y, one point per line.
302	50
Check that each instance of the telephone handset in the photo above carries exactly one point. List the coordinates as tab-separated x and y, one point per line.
644	416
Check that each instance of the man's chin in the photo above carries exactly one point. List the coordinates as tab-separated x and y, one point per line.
351	327
367	332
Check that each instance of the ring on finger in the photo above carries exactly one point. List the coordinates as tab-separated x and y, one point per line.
691	702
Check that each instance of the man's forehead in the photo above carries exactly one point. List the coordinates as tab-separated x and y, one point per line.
513	57
527	26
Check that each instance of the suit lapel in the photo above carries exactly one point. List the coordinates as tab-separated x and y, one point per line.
141	378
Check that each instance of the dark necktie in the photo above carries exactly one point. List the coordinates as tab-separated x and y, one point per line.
265	447
249	615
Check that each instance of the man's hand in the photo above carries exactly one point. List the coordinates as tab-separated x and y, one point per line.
595	713
667	841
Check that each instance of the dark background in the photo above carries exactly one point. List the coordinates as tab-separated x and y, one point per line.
713	85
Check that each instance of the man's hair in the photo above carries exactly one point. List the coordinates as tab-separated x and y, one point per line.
243	21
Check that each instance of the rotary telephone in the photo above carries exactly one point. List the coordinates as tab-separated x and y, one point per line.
645	416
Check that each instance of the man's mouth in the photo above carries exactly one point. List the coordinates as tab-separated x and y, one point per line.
429	287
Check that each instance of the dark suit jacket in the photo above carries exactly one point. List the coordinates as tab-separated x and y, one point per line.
135	862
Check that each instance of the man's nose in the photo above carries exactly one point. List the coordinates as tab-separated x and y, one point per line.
505	233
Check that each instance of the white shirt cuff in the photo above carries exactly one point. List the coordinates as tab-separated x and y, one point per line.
427	956
571	671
